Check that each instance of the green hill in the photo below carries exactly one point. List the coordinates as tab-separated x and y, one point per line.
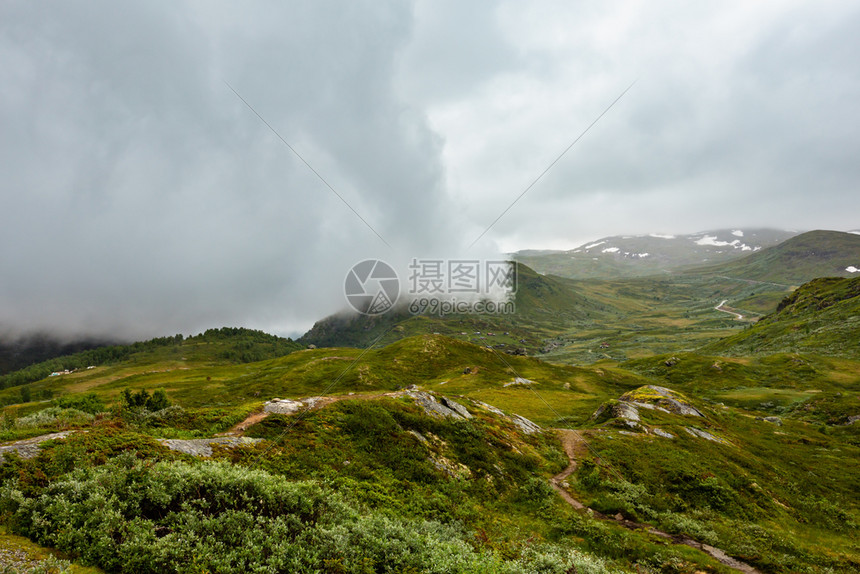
194	375
821	317
797	260
373	478
439	447
19	352
215	346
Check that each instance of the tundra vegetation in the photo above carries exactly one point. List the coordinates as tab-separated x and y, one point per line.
368	480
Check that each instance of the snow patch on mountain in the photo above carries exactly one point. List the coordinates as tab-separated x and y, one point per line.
712	241
661	236
851	268
611	250
737	233
594	245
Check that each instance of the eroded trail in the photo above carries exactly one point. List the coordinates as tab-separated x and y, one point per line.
240	428
574	446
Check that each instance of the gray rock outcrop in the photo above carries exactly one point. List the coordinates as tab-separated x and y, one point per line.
29	448
705	435
203	446
443	408
525	425
289	407
519	381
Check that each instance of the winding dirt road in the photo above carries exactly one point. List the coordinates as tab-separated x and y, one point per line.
728	310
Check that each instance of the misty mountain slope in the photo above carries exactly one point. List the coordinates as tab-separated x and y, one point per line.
226	345
797	260
642	255
19	352
544	305
822	316
588	320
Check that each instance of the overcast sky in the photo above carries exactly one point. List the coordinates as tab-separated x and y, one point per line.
141	197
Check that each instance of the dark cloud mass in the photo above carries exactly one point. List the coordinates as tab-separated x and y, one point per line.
141	197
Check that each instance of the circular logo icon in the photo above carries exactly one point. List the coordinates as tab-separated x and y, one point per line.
372	287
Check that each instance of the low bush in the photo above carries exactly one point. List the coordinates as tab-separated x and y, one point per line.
55	418
142	399
133	515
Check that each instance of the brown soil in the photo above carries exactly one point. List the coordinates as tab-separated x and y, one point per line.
239	429
574	446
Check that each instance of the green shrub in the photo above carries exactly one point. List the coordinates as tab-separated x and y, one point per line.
536	493
89	403
142	399
141	516
54	417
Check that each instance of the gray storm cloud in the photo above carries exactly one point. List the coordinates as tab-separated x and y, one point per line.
140	197
744	113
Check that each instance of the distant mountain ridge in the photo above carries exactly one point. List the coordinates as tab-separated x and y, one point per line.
800	259
642	255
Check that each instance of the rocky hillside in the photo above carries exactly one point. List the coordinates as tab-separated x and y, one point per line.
822	317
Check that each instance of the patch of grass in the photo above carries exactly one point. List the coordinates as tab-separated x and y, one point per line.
40	556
